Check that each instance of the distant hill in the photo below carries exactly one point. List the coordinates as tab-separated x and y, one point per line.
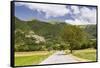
48	29
91	30
41	28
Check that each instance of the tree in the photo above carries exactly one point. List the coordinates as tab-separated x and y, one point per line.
73	35
19	40
34	42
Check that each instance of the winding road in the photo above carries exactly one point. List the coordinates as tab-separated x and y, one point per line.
59	57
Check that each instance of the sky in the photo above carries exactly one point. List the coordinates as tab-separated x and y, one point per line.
72	14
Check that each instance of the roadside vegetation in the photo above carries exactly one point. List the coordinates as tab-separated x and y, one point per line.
86	54
30	58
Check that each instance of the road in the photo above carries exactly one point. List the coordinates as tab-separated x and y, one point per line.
59	57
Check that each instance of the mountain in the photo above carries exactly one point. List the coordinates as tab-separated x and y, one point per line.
50	29
91	30
41	28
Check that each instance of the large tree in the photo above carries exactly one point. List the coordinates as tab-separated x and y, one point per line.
74	36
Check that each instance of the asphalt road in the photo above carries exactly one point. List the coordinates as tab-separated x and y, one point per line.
59	57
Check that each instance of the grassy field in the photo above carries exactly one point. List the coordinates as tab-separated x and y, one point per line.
88	54
30	58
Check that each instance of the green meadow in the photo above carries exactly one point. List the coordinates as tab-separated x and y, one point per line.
87	54
30	58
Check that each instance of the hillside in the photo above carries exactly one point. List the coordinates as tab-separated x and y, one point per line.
48	29
40	28
45	31
90	29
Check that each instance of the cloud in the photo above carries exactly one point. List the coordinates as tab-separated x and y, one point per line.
83	15
77	22
80	14
48	9
75	9
88	14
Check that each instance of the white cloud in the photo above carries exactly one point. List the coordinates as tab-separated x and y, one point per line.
88	14
75	9
82	16
77	22
50	10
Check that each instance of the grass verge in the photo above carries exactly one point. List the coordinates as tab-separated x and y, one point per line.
29	59
88	54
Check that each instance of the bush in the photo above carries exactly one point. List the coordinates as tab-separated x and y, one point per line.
94	44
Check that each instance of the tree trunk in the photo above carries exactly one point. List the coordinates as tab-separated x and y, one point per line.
71	48
71	51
